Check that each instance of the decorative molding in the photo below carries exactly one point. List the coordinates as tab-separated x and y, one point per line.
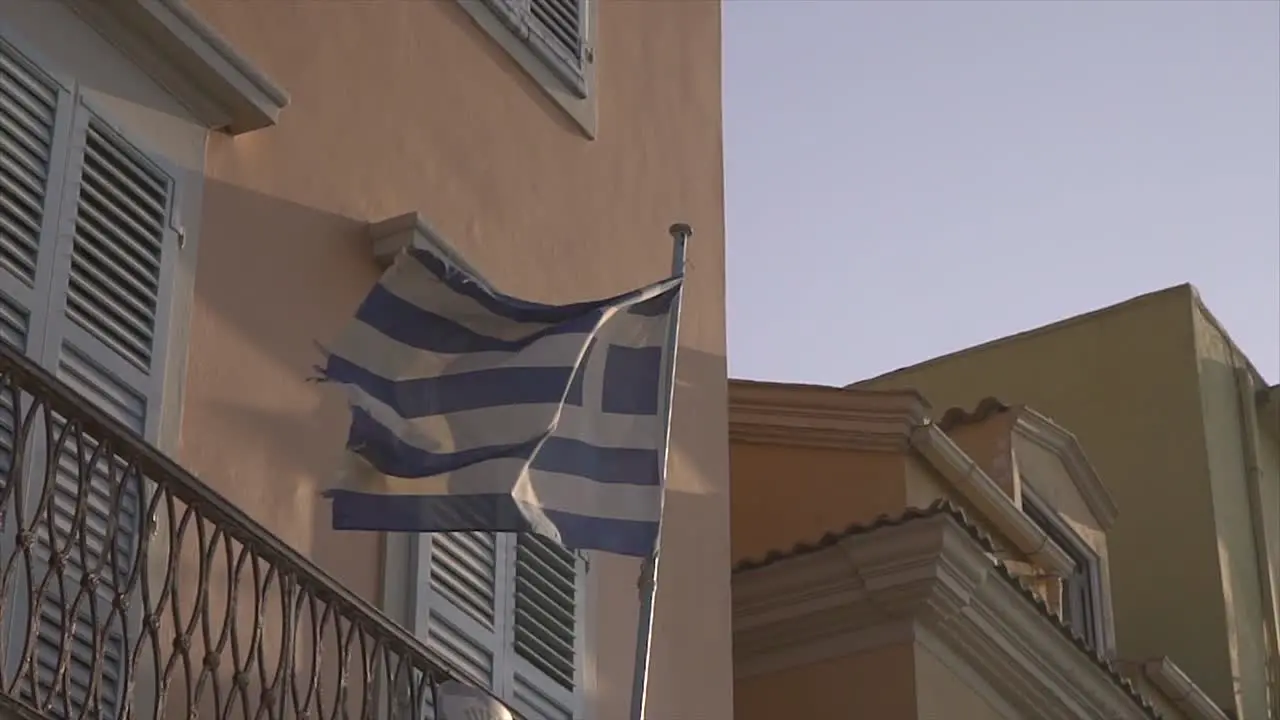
394	234
926	581
996	507
1061	442
815	416
169	42
1184	694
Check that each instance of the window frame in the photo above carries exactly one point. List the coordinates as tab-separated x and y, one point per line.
540	64
1088	620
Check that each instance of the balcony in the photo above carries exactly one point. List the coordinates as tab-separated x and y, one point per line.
129	589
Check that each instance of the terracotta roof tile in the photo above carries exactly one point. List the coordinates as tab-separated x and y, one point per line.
831	538
957	416
943	507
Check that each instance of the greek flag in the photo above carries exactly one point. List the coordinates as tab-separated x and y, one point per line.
473	410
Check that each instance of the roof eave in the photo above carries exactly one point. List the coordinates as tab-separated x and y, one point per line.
934	576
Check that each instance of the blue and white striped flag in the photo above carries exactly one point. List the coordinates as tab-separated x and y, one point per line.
473	410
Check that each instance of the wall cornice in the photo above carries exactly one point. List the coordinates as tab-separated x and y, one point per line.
1061	442
814	416
823	417
927	581
187	57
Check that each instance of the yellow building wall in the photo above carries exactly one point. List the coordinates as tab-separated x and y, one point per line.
1224	428
1125	382
945	695
1269	460
1043	472
409	106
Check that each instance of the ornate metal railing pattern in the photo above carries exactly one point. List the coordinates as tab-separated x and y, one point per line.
129	589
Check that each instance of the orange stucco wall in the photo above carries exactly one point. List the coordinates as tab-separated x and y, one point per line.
876	684
990	444
784	495
403	106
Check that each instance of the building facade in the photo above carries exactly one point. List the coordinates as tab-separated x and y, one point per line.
1184	431
891	565
195	197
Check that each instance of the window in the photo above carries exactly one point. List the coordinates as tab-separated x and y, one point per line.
87	251
509	611
552	40
1081	592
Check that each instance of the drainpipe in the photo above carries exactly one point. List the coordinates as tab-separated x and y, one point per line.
1253	482
1184	693
997	508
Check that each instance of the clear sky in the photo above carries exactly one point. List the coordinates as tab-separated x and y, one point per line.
905	179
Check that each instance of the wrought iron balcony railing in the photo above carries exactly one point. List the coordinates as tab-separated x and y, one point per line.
129	589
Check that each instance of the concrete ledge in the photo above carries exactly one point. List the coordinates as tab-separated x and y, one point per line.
190	59
394	234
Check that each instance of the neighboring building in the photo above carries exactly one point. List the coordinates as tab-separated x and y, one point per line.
1186	434
178	234
888	566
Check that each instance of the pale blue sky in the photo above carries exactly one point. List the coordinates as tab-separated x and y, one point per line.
910	178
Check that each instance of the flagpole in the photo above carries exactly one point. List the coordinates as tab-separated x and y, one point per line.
680	234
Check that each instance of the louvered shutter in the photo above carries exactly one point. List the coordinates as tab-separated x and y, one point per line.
36	115
464	602
546	628
105	339
561	25
507	610
554	29
35	120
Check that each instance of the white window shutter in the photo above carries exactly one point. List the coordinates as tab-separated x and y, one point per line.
556	30
36	117
35	127
463	602
122	233
513	13
29	132
561	25
545	629
35	122
105	338
507	610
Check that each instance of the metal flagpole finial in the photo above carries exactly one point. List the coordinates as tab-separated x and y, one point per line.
680	233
